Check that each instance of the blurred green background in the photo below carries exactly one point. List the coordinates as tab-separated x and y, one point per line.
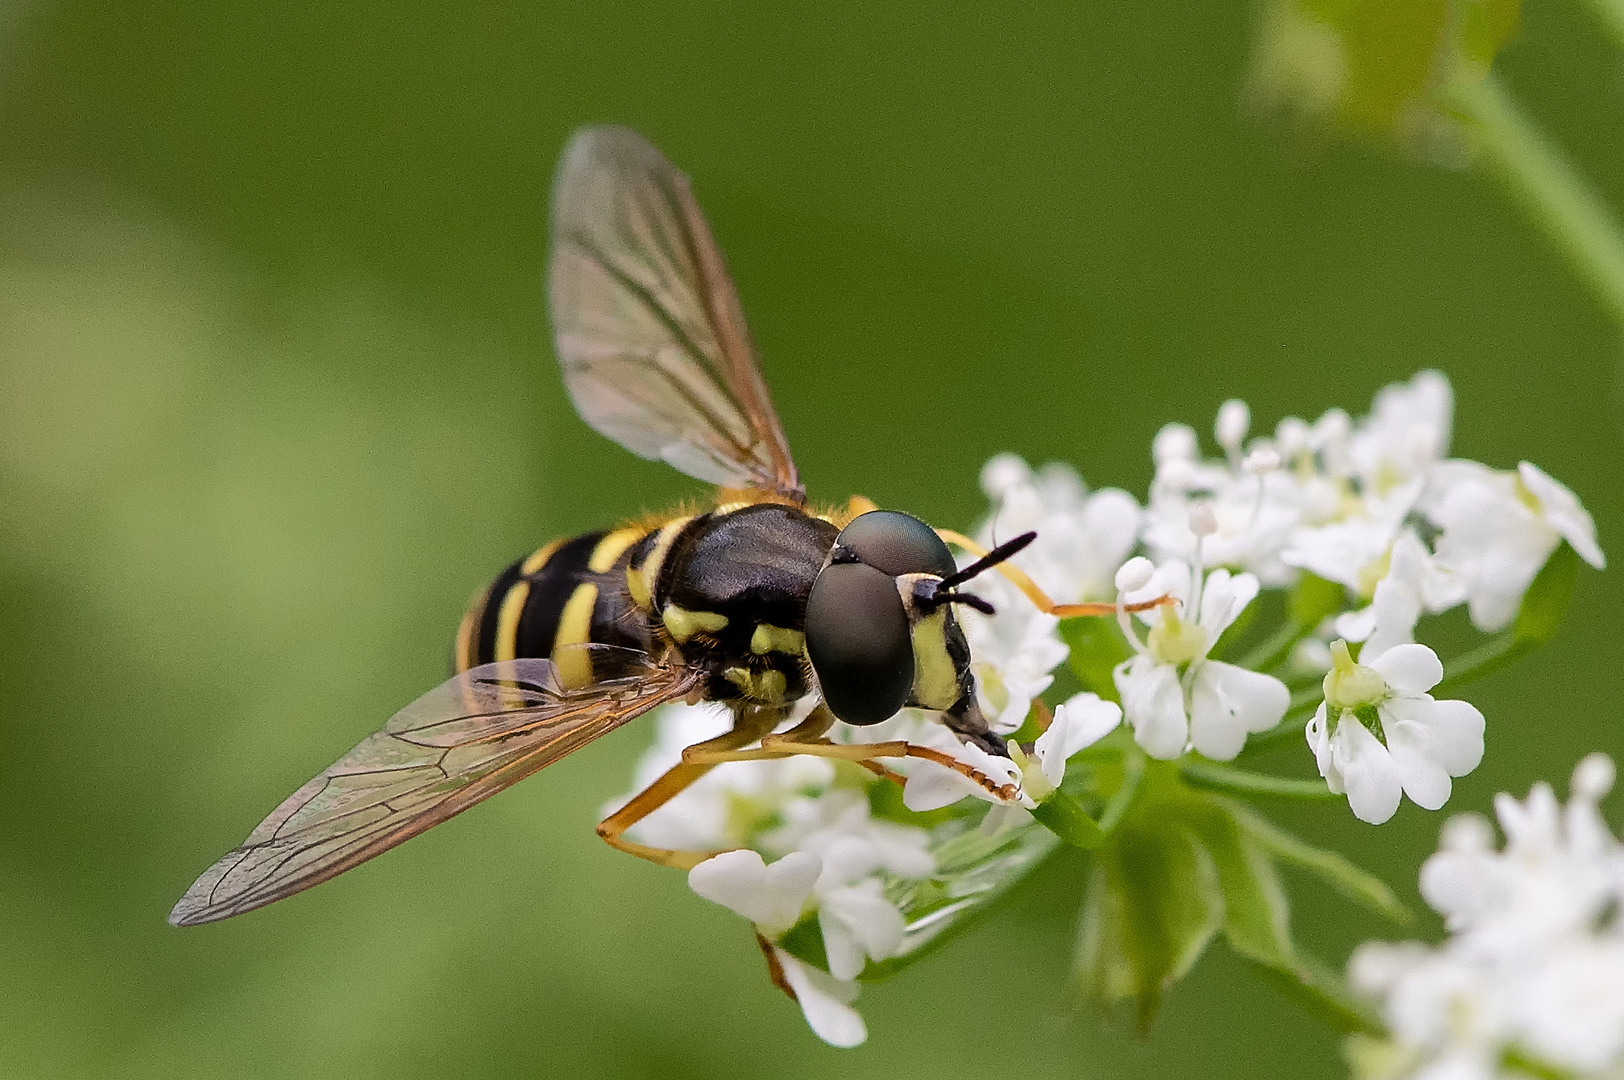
276	394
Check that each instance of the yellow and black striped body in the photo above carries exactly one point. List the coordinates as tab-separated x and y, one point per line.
727	589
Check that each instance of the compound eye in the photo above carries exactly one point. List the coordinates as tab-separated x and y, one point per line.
857	639
896	543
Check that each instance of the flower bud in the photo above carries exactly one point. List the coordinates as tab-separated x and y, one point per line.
1593	778
1134	574
1234	418
1262	460
1174	442
1203	522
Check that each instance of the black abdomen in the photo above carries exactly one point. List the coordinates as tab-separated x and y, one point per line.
570	592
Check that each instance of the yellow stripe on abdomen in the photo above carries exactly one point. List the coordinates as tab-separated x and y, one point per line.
575	628
612	547
507	620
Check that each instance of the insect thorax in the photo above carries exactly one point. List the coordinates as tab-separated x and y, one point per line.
732	595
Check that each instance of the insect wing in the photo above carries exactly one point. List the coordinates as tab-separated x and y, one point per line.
457	745
649	329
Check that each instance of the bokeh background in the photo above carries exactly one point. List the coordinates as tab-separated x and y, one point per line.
277	394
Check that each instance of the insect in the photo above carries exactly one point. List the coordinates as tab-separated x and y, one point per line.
756	602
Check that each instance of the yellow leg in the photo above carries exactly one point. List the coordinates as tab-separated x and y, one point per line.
800	740
748	726
1037	595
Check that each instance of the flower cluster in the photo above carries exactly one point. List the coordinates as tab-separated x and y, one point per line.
1293	572
1531	979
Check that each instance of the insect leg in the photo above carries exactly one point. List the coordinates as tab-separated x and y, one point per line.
808	732
1033	593
748	726
806	739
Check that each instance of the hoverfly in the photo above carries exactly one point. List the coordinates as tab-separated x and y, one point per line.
754	603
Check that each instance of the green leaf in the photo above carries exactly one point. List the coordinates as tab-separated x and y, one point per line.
1153	903
1547	599
1313	600
1097	646
1538	617
1336	871
1257	915
804	941
1211	776
1321	989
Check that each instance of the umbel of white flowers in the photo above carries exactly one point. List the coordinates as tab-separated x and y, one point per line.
1530	981
1370	508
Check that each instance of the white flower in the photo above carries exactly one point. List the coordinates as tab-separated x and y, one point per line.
858	924
1498	530
709	814
1079	722
931	786
771	897
1534	963
836	826
1082	537
825	1002
1414	583
1012	652
1422	742
1408	429
1172	695
1353	548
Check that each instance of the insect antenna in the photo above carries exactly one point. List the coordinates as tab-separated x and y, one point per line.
940	591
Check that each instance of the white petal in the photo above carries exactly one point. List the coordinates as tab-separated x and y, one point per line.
1409	669
931	786
1227	701
1368	772
1079	722
1454	730
825	1002
1565	512
1153	703
1318	732
1223	598
769	896
1357	625
858	923
1424	780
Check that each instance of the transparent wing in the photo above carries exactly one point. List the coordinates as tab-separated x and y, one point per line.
649	329
458	744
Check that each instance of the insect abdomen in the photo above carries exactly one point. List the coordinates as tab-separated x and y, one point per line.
570	592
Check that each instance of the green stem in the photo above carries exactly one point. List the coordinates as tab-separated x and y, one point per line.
1610	13
1060	814
1539	175
1270	653
1249	785
1492	655
1133	775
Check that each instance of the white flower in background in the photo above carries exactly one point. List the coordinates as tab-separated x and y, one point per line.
1254	505
1498	528
1172	694
1379	735
1013	653
724	807
1082	537
1414	584
1531	978
1406	432
1353	549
